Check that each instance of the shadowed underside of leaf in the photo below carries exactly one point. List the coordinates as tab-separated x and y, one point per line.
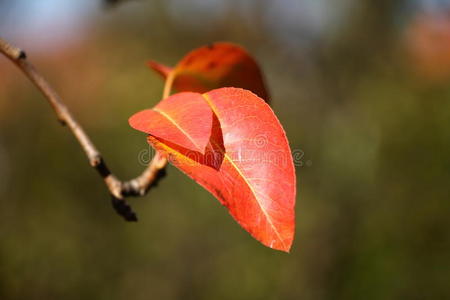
247	165
214	66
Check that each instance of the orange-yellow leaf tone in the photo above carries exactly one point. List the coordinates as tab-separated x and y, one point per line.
214	66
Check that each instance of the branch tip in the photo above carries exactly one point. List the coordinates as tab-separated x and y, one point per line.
123	209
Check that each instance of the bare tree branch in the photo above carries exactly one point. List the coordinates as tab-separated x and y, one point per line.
138	186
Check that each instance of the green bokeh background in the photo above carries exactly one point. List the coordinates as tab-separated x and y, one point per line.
373	187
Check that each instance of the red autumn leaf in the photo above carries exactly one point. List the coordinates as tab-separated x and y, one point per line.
214	66
247	164
184	119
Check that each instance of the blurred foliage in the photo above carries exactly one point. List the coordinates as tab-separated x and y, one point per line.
356	96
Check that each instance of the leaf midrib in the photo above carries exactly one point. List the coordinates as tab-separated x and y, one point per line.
177	126
269	219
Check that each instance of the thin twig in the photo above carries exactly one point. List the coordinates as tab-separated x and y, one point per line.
138	186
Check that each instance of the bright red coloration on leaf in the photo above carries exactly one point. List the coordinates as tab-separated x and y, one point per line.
214	66
184	119
247	164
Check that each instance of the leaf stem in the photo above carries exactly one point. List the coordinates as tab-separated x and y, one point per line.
168	84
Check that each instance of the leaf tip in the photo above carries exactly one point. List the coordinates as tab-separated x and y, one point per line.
159	68
140	119
280	245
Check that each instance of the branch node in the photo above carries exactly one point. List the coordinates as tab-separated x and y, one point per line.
22	54
160	175
97	161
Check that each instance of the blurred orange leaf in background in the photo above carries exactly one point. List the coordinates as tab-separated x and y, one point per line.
428	45
217	65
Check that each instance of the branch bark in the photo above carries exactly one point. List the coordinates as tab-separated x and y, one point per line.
118	189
